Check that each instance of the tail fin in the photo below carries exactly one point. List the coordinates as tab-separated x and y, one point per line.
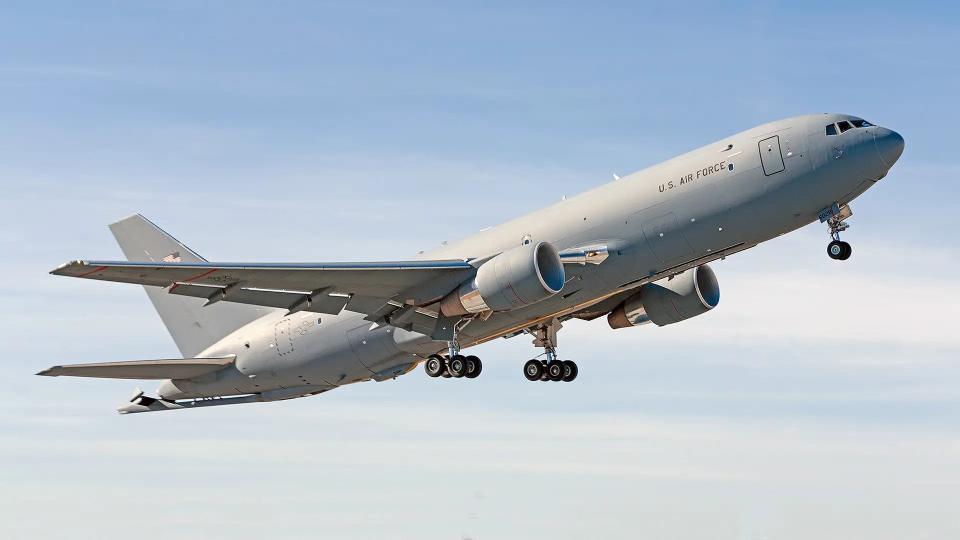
192	326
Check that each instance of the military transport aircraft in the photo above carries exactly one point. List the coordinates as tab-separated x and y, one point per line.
634	250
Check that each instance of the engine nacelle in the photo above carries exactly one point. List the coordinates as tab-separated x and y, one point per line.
513	279
670	300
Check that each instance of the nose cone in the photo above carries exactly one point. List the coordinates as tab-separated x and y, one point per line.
889	145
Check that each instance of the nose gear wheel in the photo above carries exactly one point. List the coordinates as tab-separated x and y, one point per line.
835	218
839	250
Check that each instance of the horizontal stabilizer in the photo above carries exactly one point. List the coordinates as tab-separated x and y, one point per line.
179	368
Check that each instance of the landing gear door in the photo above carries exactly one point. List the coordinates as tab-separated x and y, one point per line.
771	156
666	239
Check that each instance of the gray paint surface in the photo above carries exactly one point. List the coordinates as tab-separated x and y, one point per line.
708	203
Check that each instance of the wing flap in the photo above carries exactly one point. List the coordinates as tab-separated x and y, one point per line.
178	368
319	301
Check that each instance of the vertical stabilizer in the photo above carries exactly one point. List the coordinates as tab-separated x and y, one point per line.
192	326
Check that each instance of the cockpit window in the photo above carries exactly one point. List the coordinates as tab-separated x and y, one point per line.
846	125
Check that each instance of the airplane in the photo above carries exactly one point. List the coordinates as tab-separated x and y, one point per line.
635	250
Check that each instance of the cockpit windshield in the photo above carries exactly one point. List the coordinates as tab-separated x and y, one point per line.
846	125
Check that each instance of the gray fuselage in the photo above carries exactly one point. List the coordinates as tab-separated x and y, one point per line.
719	199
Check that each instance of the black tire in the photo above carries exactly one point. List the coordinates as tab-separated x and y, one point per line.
434	366
474	367
457	366
835	250
533	370
847	251
555	370
569	370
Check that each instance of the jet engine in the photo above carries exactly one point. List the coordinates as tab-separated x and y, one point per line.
513	279
669	300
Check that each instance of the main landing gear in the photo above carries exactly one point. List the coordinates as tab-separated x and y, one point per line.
835	216
454	364
550	369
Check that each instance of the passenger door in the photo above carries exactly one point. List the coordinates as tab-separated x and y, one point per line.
771	157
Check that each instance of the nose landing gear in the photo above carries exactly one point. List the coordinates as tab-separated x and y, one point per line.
835	217
839	250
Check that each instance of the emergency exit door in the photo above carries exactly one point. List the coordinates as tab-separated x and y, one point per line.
770	156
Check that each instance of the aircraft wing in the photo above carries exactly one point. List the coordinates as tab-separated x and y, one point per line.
392	291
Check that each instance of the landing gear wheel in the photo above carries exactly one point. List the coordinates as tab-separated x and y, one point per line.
533	370
555	370
835	250
434	366
457	366
569	370
839	250
474	367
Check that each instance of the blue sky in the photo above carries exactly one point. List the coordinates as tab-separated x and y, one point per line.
819	400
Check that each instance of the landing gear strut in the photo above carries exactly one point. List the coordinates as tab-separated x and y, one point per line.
454	364
550	369
835	217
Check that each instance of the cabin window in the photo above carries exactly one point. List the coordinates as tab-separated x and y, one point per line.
844	126
831	129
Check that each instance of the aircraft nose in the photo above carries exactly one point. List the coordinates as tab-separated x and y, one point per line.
889	145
